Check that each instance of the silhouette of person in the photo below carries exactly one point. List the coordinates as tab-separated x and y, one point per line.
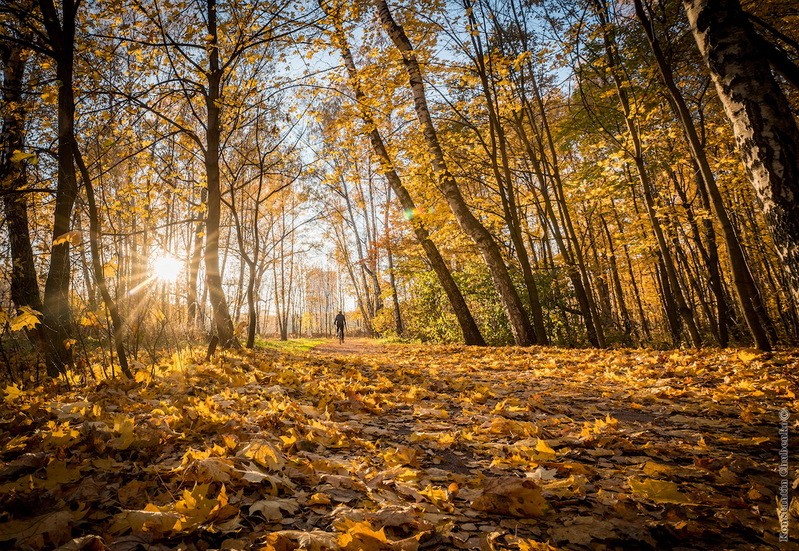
340	323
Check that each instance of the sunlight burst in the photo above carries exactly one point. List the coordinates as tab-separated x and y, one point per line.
167	268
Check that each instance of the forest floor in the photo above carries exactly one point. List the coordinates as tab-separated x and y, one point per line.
369	446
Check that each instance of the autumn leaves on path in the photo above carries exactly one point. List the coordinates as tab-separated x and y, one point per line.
377	447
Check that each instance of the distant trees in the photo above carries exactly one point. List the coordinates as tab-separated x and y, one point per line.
591	181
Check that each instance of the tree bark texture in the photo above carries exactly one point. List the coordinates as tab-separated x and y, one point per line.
24	285
765	129
57	318
743	282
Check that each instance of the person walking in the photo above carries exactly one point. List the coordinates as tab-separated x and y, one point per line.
340	323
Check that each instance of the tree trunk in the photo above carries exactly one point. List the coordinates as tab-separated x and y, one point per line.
391	279
118	326
221	312
611	52
627	324
522	329
194	268
765	128
57	318
469	329
743	282
24	285
500	166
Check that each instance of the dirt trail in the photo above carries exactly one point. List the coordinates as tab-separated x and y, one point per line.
349	347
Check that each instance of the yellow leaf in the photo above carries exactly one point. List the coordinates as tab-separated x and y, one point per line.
438	497
748	356
360	536
11	393
74	237
124	426
319	498
150	519
402	455
509	495
544	448
263	453
27	318
19	156
532	545
659	491
653	469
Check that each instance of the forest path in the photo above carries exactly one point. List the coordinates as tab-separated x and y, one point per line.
351	346
396	447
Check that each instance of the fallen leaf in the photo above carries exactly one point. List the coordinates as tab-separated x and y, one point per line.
520	497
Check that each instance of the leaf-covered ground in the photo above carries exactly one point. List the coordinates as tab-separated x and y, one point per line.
372	447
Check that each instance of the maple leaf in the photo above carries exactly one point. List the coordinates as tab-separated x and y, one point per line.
263	453
360	536
12	393
659	491
150	519
74	237
125	427
289	540
271	509
509	495
56	525
210	469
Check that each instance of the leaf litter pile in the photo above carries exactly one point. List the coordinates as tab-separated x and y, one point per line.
401	447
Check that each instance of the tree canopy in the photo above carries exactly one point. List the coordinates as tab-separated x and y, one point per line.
576	174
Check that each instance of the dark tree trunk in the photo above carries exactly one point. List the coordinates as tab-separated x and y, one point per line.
24	285
222	320
57	319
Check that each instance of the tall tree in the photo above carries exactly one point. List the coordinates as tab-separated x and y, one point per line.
57	320
471	333
523	332
498	152
13	178
612	56
743	282
213	103
765	128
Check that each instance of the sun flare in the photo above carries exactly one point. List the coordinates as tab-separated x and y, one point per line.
167	268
